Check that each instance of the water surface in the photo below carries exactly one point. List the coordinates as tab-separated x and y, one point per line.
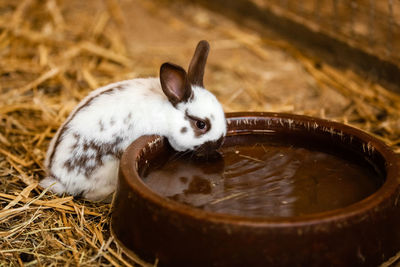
264	179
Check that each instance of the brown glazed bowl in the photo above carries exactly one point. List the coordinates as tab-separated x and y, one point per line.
365	233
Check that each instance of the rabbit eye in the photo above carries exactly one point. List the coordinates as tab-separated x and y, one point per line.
200	124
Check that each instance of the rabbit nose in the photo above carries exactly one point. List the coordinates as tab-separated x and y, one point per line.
209	148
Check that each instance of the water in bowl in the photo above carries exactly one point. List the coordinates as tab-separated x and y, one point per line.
264	179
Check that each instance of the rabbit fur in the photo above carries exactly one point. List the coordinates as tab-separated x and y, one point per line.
83	156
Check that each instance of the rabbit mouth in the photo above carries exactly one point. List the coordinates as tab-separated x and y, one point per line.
209	149
214	155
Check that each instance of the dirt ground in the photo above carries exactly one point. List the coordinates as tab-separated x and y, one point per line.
52	53
242	75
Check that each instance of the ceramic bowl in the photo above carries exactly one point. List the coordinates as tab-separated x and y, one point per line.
365	233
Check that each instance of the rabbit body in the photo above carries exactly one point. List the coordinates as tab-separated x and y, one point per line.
83	156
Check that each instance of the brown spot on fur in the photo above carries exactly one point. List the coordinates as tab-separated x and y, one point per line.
64	128
128	118
119	153
89	170
112	121
51	174
83	160
86	163
183	130
101	126
85	146
79	163
69	165
99	159
75	145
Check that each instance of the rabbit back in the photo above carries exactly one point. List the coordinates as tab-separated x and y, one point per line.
84	154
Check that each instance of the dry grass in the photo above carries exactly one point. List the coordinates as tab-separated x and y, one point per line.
54	52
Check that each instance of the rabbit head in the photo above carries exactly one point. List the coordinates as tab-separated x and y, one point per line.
199	121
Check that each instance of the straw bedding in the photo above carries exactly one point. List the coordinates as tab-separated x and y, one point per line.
52	53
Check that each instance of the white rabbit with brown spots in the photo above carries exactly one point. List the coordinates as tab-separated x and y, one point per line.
83	156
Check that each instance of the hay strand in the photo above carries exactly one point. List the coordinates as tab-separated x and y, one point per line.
54	52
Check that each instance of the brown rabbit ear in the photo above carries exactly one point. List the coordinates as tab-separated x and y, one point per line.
198	63
174	83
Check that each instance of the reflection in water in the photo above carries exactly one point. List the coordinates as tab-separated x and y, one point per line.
187	180
264	180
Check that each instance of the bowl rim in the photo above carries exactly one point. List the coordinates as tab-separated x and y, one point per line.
370	204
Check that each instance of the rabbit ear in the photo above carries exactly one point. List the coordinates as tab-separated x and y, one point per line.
174	83
198	63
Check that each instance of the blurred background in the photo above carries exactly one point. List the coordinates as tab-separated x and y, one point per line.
333	59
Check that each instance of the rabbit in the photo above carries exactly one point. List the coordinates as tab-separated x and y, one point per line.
83	156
